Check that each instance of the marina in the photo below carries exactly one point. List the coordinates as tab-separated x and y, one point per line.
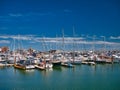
31	59
48	70
59	45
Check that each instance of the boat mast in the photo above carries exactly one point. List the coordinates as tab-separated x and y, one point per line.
63	44
73	44
104	47
14	51
104	43
56	43
93	47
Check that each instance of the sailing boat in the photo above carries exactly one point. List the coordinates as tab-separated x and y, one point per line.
46	62
56	60
40	65
22	63
65	62
76	60
56	57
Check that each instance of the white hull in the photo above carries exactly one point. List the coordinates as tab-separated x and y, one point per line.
30	67
49	66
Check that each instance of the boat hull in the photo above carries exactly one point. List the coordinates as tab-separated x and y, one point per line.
67	65
24	67
40	67
76	62
56	64
19	67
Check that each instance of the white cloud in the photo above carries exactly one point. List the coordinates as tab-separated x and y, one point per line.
31	14
15	15
32	42
4	36
59	39
21	37
39	14
4	42
105	42
25	16
111	37
95	42
71	40
18	37
67	40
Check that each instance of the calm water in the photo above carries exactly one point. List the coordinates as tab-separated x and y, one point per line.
82	77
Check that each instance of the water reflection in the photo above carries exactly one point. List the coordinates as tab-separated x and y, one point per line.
46	73
49	70
4	67
24	72
59	68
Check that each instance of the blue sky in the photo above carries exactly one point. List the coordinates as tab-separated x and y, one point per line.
48	18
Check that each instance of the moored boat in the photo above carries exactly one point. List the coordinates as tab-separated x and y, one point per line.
67	65
56	63
40	66
24	64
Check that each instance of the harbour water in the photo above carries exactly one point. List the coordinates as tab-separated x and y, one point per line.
82	77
